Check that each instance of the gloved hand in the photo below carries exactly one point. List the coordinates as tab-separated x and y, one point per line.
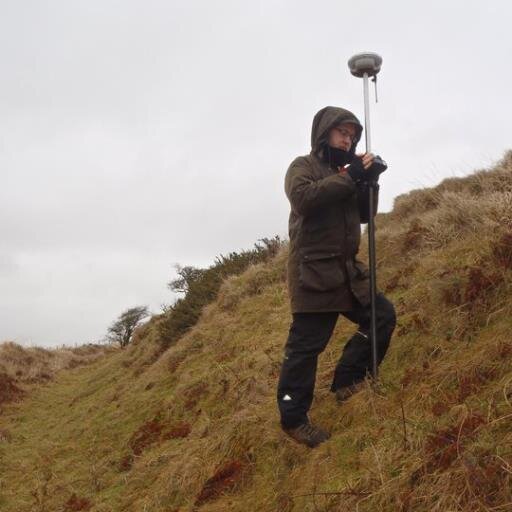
376	169
358	173
356	169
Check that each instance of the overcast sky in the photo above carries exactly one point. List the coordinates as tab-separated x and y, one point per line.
139	134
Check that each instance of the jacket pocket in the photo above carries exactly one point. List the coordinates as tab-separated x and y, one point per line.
321	271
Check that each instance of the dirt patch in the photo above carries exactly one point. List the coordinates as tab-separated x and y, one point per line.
471	289
178	431
225	479
146	435
150	433
486	476
9	391
478	284
284	503
224	357
440	408
193	394
416	374
76	504
409	377
414	236
175	360
126	463
472	380
504	349
452	295
444	446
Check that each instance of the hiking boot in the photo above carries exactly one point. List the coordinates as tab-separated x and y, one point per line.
344	393
308	434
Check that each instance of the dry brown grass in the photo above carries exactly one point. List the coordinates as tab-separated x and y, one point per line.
432	218
196	428
34	365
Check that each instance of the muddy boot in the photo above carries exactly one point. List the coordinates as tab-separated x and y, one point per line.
308	434
344	393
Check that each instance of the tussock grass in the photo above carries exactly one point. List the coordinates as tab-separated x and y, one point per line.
196	427
36	364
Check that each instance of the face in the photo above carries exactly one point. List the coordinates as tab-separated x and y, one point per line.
342	136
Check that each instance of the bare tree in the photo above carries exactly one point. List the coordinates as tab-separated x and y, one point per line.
122	329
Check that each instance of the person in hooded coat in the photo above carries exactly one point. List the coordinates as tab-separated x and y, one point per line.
328	194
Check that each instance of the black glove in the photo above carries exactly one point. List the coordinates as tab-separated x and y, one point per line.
356	170
376	169
358	173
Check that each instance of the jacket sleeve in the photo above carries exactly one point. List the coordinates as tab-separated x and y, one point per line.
363	201
307	194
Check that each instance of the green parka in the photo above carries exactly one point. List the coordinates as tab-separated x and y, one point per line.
325	226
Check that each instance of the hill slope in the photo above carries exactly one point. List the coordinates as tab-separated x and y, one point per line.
196	428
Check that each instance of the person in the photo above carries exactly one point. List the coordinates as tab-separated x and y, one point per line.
328	194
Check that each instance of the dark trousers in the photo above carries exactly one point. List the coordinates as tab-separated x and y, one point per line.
308	337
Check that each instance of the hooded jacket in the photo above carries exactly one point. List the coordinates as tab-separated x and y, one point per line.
327	209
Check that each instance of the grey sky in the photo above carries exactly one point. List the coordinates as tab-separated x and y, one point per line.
135	134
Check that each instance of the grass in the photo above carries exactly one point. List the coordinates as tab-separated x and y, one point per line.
196	427
36	364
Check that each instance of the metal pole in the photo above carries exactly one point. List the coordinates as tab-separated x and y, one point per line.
364	65
373	281
371	237
366	114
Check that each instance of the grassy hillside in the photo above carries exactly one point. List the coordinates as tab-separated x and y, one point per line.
196	427
20	366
